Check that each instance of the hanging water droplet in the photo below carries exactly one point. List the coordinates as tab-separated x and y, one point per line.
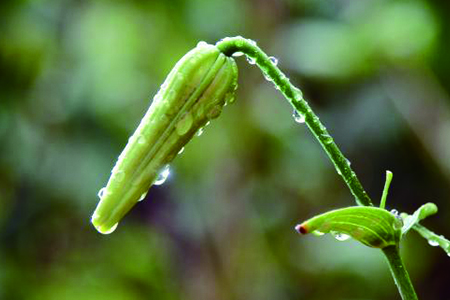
252	42
251	60
119	175
202	44
207	123
448	253
185	124
141	140
267	77
200	132
340	236
162	176
433	243
142	197
101	192
109	230
274	60
298	117
181	151
317	233
237	54
394	212
327	138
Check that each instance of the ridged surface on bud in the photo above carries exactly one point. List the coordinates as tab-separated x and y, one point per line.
372	226
195	91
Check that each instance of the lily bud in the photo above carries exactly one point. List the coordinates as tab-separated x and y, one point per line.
195	91
372	226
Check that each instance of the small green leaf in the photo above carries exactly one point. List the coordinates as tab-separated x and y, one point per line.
424	211
433	238
195	91
372	226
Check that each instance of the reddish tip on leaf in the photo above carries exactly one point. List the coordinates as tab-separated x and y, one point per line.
301	229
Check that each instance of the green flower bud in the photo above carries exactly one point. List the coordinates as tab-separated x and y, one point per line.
195	91
372	226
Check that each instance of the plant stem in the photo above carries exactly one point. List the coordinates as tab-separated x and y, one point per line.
230	46
399	273
387	184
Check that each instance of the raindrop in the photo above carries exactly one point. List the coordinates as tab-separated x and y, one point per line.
142	197
102	192
141	140
298	117
162	176
207	123
317	233
237	54
348	162
251	60
109	230
202	44
274	60
327	138
200	132
267	77
394	212
119	176
181	151
340	236
184	125
448	254
433	243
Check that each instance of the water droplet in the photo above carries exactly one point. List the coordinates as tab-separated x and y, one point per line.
237	54
214	112
181	151
142	197
274	60
202	44
230	98
433	243
142	140
207	123
448	253
327	138
340	236
267	77
298	117
185	124
200	132
119	175
252	42
317	233
348	162
109	230
251	60
394	212
162	175
102	192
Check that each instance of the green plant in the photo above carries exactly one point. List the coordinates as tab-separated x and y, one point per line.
201	83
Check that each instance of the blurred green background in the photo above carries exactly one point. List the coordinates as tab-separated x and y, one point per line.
76	76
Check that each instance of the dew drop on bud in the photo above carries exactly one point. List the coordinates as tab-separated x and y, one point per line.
101	193
394	212
433	243
142	197
237	54
317	233
340	236
200	132
298	117
162	176
181	151
202	44
274	60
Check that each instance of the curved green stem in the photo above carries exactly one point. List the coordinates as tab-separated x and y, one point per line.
399	273
234	45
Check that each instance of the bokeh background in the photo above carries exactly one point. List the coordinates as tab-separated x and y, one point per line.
76	76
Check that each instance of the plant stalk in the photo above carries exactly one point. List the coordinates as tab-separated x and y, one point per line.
399	273
231	46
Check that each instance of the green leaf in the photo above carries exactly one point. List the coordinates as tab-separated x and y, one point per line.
424	211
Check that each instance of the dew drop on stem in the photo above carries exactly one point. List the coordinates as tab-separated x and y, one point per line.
433	243
181	151
299	118
274	60
251	60
101	192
